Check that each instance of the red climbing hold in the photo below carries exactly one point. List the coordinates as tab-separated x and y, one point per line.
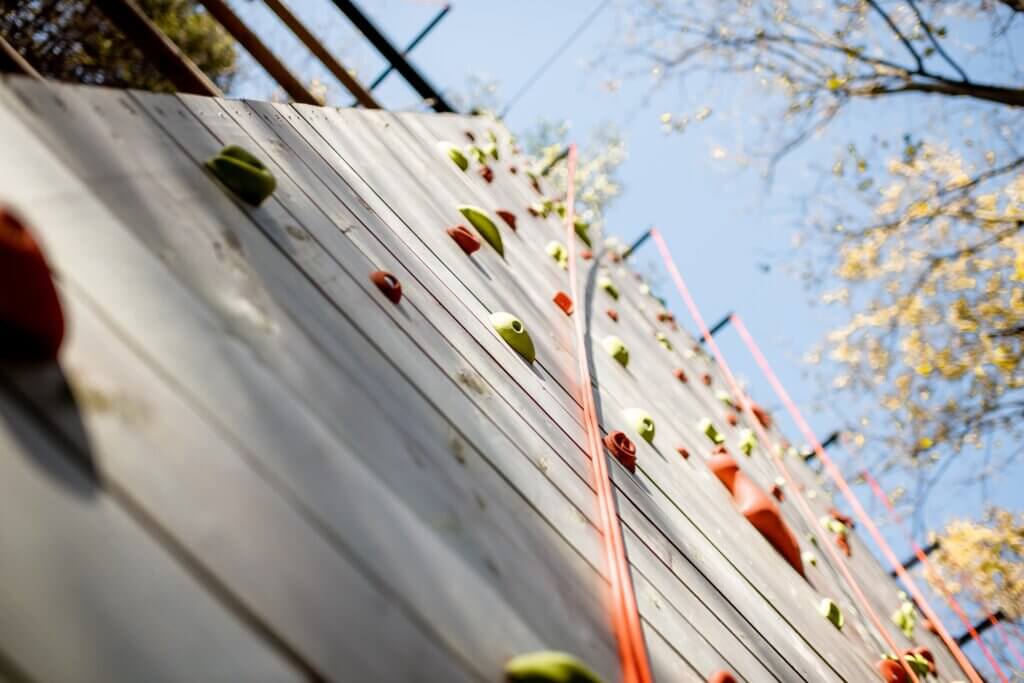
721	677
732	419
706	378
666	317
622	448
31	318
563	301
613	315
845	520
388	284
762	415
466	240
680	374
843	544
777	493
926	654
891	671
472	138
513	170
508	217
486	173
683	452
586	254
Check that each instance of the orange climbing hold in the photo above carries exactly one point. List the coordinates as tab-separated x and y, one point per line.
891	671
777	493
31	318
683	452
508	217
388	284
586	254
732	419
721	677
613	315
680	374
563	301
622	448
706	378
486	173
466	240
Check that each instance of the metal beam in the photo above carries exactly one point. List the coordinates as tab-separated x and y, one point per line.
830	440
336	68
168	59
388	51
914	560
726	319
415	41
979	628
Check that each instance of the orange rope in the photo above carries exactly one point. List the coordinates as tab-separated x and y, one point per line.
858	509
897	519
802	504
624	611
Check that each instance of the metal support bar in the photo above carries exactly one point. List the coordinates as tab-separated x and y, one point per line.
409	73
636	245
914	560
979	628
726	319
554	162
409	48
830	440
12	62
170	61
260	52
362	95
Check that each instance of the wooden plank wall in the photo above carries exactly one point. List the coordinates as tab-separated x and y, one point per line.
248	465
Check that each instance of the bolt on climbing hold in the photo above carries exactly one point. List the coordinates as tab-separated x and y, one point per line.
484	225
605	283
455	154
508	217
582	229
388	284
491	150
616	349
666	317
622	448
470	136
724	398
486	173
721	677
563	301
707	427
663	341
683	452
557	251
905	616
777	493
243	174
30	310
613	314
830	610
512	330
477	154
732	419
466	240
548	666
706	378
586	254
748	442
512	169
680	374
642	423
809	558
891	670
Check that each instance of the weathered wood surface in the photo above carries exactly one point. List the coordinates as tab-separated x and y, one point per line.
355	490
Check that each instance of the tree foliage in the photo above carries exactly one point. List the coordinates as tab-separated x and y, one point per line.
72	40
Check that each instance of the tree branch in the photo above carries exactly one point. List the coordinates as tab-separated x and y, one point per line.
899	34
935	42
989	93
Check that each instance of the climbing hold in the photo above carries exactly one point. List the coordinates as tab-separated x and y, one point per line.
455	154
748	442
513	170
809	558
477	154
644	288
642	423
470	136
905	616
706	378
539	209
534	182
666	317
683	452
605	283
680	374
243	174
582	229
557	251
612	314
388	284
777	493
663	340
891	670
31	318
732	419
484	225
486	173
586	254
762	415
725	398
721	677
830	610
622	448
708	429
616	349
514	333
508	217
563	301
923	653
466	240
548	667
491	150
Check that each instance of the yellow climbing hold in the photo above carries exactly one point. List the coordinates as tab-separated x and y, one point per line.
830	610
642	422
484	225
616	349
707	427
243	174
514	333
557	251
455	154
605	283
548	667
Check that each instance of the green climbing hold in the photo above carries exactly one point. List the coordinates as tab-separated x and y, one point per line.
616	349
905	616
663	341
548	667
748	442
809	558
582	229
477	154
605	283
708	428
514	333
725	398
834	525
455	154
484	225
243	174
642	423
830	610
491	150
557	251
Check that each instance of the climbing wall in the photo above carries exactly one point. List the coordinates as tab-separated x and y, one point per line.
249	464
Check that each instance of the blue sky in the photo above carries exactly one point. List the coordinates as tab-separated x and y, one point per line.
721	222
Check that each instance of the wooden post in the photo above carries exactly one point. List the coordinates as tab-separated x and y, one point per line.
170	61
12	62
260	52
361	94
